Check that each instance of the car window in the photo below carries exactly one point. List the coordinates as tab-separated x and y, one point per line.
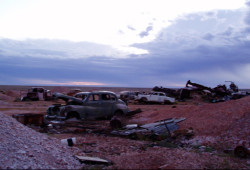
94	97
81	96
112	97
105	97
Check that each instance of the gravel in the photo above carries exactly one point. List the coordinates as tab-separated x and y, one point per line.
23	148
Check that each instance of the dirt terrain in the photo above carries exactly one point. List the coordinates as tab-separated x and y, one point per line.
217	127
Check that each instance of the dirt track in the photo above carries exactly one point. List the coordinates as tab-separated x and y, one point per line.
216	126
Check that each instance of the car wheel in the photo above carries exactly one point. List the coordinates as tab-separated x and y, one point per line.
167	102
26	99
241	151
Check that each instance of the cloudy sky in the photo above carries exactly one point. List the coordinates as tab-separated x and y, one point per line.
124	43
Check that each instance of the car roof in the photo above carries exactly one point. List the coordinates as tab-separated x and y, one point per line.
82	93
96	92
103	92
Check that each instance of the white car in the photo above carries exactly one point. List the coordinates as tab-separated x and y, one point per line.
158	97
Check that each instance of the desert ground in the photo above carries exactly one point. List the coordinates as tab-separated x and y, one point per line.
218	128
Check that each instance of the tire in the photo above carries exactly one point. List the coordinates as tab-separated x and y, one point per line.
167	102
241	151
26	99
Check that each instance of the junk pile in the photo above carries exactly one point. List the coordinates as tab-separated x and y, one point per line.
153	131
219	93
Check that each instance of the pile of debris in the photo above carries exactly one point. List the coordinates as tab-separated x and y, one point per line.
219	93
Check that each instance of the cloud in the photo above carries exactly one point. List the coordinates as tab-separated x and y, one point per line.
208	37
131	28
207	51
62	49
146	33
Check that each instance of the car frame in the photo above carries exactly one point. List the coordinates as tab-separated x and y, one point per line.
88	106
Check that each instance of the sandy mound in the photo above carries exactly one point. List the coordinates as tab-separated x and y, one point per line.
24	148
5	97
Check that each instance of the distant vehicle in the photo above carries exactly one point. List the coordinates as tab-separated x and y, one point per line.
158	97
88	106
127	96
36	93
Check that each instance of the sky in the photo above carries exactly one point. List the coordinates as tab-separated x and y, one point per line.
124	43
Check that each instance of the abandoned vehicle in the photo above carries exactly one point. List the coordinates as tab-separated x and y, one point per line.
158	97
36	93
87	106
217	94
127	96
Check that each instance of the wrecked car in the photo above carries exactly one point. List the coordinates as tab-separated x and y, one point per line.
158	97
88	106
127	96
35	94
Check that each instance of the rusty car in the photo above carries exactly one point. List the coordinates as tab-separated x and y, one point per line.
35	94
87	106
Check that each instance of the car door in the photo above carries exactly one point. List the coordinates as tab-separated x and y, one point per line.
154	97
93	107
108	101
161	97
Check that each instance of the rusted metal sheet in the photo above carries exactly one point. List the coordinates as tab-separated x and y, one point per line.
95	160
160	128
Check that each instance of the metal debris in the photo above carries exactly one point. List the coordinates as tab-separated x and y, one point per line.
93	160
163	128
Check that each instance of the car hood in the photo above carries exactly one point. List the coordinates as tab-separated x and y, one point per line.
67	98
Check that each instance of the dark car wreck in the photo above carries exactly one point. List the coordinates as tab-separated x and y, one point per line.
219	93
87	106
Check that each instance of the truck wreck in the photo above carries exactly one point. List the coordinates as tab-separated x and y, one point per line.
36	93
